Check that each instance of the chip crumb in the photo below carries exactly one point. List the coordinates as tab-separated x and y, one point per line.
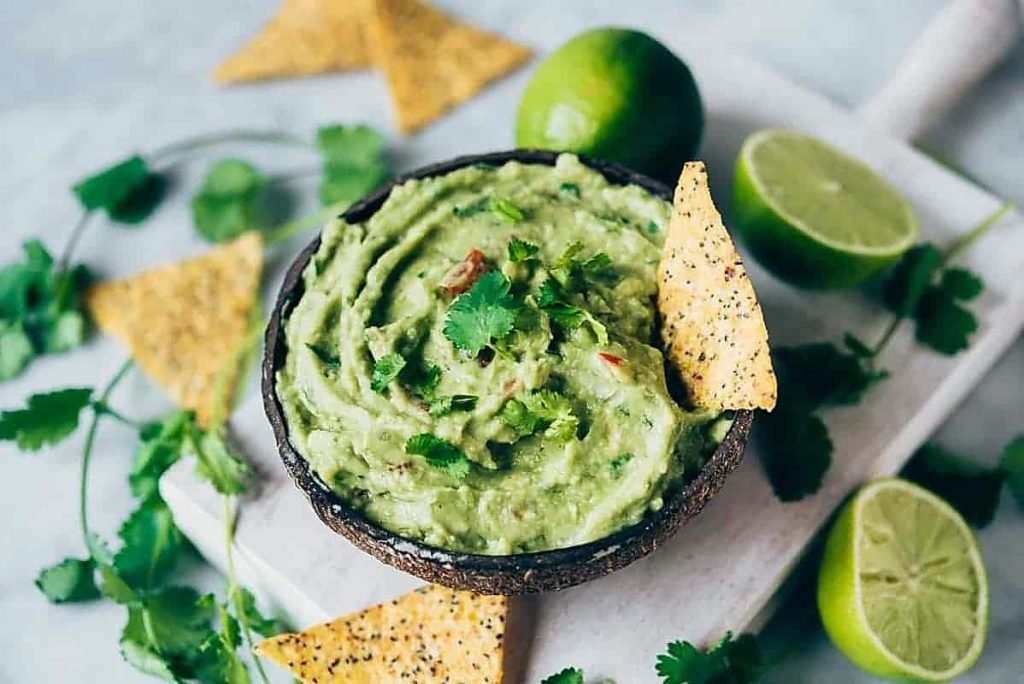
433	62
436	635
712	325
305	37
183	323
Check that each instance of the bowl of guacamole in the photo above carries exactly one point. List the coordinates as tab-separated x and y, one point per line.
464	375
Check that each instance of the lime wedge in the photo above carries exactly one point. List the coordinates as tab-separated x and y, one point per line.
814	216
902	589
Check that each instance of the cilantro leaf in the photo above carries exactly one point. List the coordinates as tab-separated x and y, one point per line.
478	207
818	374
729	662
426	381
620	461
971	489
440	453
506	210
127	190
69	581
442	406
574	273
796	451
962	284
570	189
482	315
113	585
152	545
46	419
912	275
541	410
259	623
354	163
942	323
570	675
217	464
225	206
161	445
386	370
1012	465
520	250
40	308
552	300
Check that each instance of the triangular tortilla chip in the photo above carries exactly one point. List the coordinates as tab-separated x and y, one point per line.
712	326
433	62
305	37
428	636
183	323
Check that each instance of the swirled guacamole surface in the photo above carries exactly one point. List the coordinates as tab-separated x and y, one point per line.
473	367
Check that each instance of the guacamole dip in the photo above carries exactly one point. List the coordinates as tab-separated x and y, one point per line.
473	366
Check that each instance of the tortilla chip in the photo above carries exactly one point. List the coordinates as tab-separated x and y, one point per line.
433	62
305	37
712	326
183	323
427	636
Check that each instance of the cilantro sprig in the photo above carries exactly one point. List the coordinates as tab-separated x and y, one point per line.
922	288
128	190
544	411
40	308
354	163
570	675
483	315
440	454
730	661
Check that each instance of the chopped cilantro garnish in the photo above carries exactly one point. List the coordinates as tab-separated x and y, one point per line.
570	675
386	370
46	419
442	406
570	189
573	273
354	163
225	206
620	461
440	453
552	300
477	207
731	661
426	381
520	250
541	410
482	315
506	210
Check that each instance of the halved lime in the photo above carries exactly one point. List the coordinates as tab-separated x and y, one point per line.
902	589
815	216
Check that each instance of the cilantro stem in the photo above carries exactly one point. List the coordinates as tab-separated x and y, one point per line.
104	408
976	233
894	325
197	142
234	595
90	440
76	235
287	230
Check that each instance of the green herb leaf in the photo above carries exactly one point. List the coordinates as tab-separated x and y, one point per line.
440	453
971	489
15	349
552	300
151	547
942	323
731	661
442	406
1012	465
909	279
386	370
161	445
796	451
482	315
620	461
819	374
354	163
259	623
113	585
520	250
570	189
570	675
506	210
69	581
541	410
427	381
46	419
225	206
217	464
128	190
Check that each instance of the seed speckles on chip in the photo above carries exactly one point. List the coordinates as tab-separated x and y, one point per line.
712	326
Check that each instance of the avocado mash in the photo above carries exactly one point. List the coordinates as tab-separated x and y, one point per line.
473	366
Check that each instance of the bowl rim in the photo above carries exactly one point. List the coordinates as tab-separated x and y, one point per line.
351	523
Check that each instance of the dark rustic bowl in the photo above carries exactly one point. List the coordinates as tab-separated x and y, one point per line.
514	574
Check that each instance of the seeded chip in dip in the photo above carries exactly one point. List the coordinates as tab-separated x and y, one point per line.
476	366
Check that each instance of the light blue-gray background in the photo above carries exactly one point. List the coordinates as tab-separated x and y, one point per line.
78	61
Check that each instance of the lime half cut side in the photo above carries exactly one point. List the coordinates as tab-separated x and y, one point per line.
815	216
902	590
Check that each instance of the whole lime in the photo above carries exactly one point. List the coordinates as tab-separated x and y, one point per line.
614	94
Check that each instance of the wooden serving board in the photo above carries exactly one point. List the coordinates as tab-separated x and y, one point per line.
722	570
